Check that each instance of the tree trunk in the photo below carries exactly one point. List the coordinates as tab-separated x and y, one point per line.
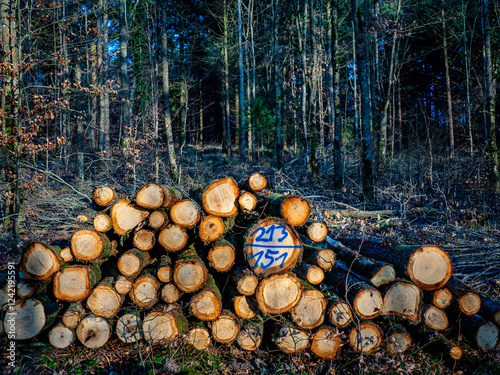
278	293
129	327
126	216
241	87
366	115
40	262
88	245
150	196
93	331
272	246
207	304
404	300
104	300
174	171
326	343
366	339
490	99
173	238
309	312
366	301
74	283
291	340
225	328
144	292
199	338
379	272
61	336
448	88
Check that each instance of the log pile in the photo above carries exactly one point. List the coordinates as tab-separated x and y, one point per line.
233	263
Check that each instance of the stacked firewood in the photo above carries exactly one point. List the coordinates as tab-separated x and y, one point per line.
231	263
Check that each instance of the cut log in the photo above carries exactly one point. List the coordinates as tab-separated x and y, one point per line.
278	293
378	272
365	300
398	341
102	223
339	312
326	343
160	327
171	196
309	312
123	284
88	245
75	283
150	196
24	289
4	298
403	299
73	315
367	338
190	274
324	258
126	216
144	239
435	318
291	340
222	256
185	214
220	198
25	319
199	338
66	254
317	231
272	246
170	293
292	208
164	270
211	228
427	266
247	201
256	182
129	327
490	309
93	331
40	262
173	238
246	281
245	307
481	333
442	298
61	336
310	272
132	262
207	304
250	336
104	300
104	195
442	348
225	328
158	219
469	302
144	292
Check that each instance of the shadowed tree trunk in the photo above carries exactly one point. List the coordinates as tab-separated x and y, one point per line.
490	100
174	172
366	138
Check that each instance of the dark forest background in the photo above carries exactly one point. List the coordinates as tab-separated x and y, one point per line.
372	95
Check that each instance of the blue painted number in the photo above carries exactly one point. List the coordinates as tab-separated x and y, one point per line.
270	256
262	232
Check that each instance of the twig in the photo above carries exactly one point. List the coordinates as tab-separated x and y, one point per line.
58	179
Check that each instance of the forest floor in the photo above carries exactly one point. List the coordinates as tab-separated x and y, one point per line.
444	204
